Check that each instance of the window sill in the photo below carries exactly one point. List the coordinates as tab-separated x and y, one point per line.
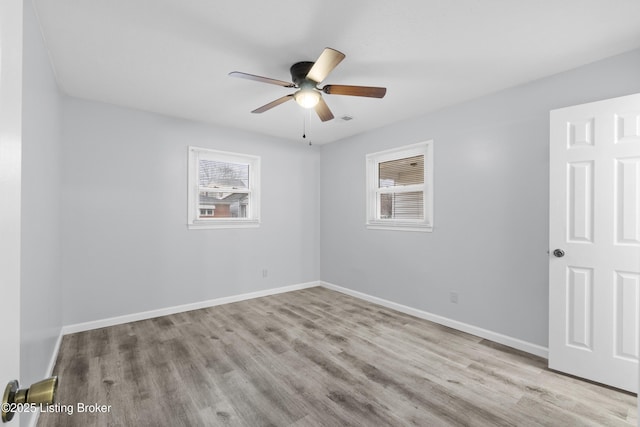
400	226
219	224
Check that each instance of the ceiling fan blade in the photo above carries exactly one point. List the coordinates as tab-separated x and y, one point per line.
273	104
326	62
368	91
261	79
323	110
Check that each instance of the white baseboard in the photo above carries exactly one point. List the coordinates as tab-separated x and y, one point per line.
461	326
134	317
464	327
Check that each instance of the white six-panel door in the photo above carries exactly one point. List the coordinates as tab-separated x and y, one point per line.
594	287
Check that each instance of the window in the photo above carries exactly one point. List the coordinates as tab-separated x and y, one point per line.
223	189
400	188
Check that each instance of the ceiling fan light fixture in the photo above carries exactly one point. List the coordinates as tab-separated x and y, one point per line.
307	98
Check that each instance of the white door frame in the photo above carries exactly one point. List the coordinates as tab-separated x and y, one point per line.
10	186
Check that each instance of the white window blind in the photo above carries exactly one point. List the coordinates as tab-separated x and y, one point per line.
397	181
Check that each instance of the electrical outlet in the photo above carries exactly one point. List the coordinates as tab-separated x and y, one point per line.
265	273
453	297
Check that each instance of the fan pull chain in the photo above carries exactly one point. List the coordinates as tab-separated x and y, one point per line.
304	125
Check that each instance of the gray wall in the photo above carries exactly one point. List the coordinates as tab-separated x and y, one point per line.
491	205
41	289
126	246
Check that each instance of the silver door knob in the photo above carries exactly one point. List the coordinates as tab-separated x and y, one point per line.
558	253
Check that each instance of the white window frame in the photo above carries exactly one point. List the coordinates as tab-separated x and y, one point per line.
253	209
373	191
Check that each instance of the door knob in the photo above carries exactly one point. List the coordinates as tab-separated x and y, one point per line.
40	393
558	253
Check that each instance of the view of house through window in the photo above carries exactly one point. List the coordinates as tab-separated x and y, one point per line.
218	195
224	189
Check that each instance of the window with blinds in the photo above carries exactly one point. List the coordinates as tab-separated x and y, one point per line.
223	189
400	192
401	188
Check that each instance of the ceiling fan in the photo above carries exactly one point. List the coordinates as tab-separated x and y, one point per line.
306	76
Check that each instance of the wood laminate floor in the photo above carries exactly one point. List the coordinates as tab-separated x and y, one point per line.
315	357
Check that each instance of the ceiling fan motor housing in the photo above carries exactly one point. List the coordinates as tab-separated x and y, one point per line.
299	72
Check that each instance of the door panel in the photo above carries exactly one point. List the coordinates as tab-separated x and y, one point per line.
580	307
580	218
626	313
627	215
594	289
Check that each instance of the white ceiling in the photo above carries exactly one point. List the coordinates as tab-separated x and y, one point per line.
173	56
